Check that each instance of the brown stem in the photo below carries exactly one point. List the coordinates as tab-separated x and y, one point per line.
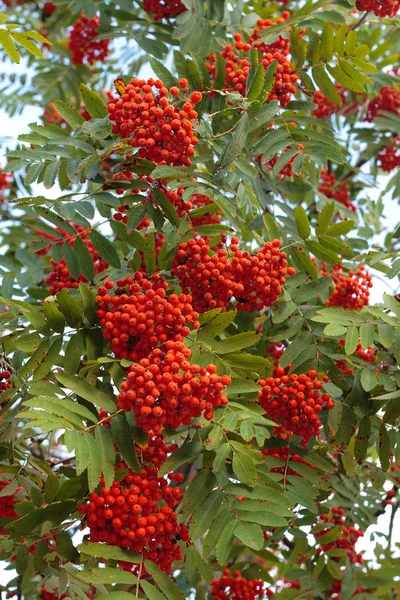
359	23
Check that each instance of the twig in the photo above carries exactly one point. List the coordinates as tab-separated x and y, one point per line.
395	508
359	22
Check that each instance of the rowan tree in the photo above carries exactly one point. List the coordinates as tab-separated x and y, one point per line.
198	397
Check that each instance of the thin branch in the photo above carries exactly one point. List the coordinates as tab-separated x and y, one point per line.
359	23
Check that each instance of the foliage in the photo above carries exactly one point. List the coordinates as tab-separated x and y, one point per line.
198	399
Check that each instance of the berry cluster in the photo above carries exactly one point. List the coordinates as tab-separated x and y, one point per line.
368	355
275	352
140	315
288	456
46	595
337	190
294	402
5	184
287	170
336	590
7	503
137	513
389	158
237	63
254	281
388	99
351	289
326	108
381	8
347	539
59	276
237	587
390	494
154	124
165	389
161	9
83	43
5	382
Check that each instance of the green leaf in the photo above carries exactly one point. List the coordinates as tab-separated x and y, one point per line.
384	447
351	341
108	552
326	43
105	248
236	143
166	206
368	380
65	547
69	114
51	488
242	386
71	260
386	333
341	228
250	534
225	542
93	103
73	353
117	596
9	46
325	85
325	217
342	77
108	575
85	259
86	391
313	289
244	468
187	452
106	446
123	438
70	308
199	488
54	317
205	515
366	335
362	439
236	342
302	222
218	323
303	261
165	584
256	84
221	455
321	252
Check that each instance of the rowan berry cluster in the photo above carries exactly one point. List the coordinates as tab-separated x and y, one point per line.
49	8
288	456
161	9
326	108
295	402
337	190
237	587
83	44
351	289
388	99
154	124
346	541
46	595
60	276
389	158
5	184
139	316
381	8
5	382
137	513
390	494
237	63
165	389
287	169
254	281
275	352
7	503
368	355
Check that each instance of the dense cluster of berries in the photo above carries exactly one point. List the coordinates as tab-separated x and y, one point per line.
287	170
368	355
49	8
326	108
381	8
237	587
337	190
389	158
294	402
140	315
60	276
46	595
237	63
388	99
7	503
5	184
253	280
83	44
275	352
347	539
288	456
151	122
351	289
165	389
5	382
160	9
137	513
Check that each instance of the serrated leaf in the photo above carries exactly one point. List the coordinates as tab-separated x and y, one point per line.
165	584
236	143
69	306
250	534
221	455
303	261
186	452
85	259
225	542
123	438
9	46
244	468
166	206
106	446
368	380
204	516
311	290
384	447
302	222
86	391
325	217
326	43
362	439
93	103
71	260
54	317
69	114
218	324
108	575
326	86
199	488
351	340
341	228
108	552
105	248
236	342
